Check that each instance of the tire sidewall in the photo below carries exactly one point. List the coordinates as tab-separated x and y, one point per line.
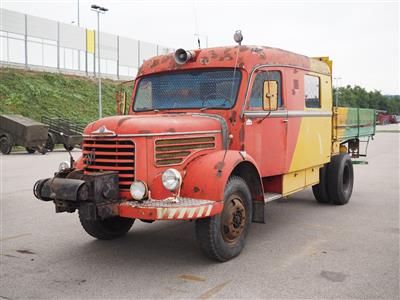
336	189
8	146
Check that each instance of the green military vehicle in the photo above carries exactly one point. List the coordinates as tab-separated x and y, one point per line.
16	130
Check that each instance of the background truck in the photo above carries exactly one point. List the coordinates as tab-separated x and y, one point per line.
16	130
212	135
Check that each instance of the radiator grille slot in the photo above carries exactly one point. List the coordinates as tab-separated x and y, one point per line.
111	155
174	151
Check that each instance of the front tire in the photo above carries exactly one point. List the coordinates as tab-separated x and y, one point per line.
222	237
106	229
340	175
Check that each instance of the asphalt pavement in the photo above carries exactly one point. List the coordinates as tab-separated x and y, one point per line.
305	249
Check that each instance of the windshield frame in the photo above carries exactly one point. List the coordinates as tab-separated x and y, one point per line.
234	96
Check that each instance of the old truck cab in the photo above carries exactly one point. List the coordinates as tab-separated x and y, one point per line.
211	136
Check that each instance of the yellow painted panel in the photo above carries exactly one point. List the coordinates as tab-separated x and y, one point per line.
293	182
90	41
312	175
314	143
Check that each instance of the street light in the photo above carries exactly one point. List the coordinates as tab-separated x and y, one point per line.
99	10
337	89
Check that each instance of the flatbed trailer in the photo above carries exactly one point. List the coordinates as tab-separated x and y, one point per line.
211	135
63	131
352	126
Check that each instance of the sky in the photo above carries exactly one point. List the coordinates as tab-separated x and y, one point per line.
361	37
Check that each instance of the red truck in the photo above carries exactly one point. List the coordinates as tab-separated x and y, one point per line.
211	136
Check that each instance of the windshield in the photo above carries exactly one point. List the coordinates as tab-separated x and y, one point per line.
216	88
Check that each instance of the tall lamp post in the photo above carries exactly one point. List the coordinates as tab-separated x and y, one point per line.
99	10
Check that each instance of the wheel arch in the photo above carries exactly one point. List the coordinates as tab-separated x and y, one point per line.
206	178
250	174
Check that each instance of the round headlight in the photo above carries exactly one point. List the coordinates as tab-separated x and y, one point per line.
63	166
138	190
171	179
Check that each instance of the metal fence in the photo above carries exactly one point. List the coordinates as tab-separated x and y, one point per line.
37	43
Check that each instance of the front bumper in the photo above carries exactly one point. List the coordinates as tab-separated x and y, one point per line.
96	195
171	209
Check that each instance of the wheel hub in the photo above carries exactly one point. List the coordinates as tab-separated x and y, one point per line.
233	219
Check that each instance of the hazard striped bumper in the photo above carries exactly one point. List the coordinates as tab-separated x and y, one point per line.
181	209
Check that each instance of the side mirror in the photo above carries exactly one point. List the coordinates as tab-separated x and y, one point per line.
270	95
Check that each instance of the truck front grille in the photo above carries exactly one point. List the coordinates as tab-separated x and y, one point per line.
174	151
111	155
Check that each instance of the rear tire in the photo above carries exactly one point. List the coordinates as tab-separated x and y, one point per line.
222	237
106	229
320	190
5	145
340	176
30	150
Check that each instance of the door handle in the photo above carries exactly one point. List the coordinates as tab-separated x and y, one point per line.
285	120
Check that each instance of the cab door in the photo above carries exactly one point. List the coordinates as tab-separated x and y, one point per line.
265	132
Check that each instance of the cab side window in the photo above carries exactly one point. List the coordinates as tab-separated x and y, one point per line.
256	96
312	91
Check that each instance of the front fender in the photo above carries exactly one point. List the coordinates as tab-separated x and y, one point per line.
206	177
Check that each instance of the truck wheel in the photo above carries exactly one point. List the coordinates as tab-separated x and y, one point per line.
5	145
223	236
68	147
106	229
30	150
340	176
320	190
49	143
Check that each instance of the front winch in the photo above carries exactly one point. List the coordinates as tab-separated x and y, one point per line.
96	194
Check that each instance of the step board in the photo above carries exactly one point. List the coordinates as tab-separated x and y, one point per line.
271	197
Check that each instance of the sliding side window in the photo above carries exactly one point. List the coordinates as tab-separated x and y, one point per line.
312	91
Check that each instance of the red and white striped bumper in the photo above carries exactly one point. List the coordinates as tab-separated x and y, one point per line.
182	209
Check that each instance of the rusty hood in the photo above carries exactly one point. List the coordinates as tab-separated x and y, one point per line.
156	124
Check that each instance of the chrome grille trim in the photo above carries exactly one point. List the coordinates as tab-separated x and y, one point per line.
110	155
174	151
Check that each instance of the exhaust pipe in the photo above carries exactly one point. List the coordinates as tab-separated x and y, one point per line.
182	56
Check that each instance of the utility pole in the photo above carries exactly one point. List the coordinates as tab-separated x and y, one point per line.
78	15
99	10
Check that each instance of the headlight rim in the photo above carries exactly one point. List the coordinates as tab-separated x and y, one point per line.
178	176
146	190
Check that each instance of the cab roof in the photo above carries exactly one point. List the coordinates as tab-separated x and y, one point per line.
247	58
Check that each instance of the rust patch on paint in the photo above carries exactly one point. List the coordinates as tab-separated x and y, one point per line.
144	131
204	60
155	63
